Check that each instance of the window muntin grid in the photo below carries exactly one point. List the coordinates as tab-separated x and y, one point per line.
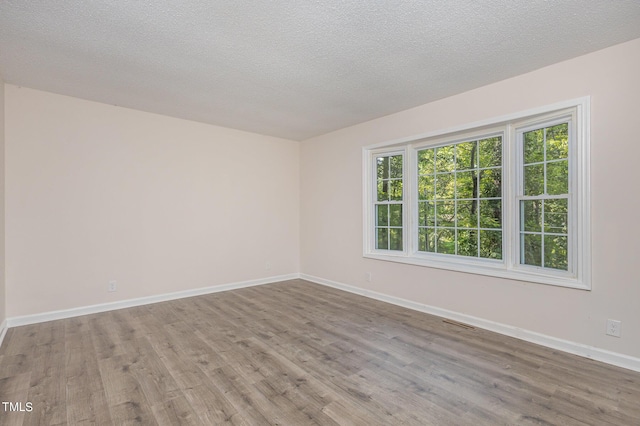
459	190
389	202
544	199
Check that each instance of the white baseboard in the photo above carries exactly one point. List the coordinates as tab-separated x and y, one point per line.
3	330
103	307
613	358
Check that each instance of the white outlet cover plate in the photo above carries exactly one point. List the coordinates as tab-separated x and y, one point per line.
613	327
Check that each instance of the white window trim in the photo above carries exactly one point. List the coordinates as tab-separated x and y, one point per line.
509	267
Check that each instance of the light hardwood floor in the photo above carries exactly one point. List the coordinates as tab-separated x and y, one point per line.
296	353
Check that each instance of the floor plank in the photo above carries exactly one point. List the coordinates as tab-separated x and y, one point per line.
296	353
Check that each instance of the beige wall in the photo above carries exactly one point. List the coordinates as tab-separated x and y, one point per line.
96	193
331	205
3	306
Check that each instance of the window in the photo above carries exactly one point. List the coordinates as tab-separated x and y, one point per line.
460	198
508	197
544	198
388	204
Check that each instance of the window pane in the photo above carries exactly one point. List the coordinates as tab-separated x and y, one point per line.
558	178
467	214
460	189
382	238
425	161
545	215
395	190
491	213
467	242
466	157
426	239
534	179
445	158
558	141
422	239
532	253
445	186
465	184
555	216
445	213
534	146
382	214
396	167
395	239
531	215
555	252
383	167
426	214
490	152
425	188
490	183
383	190
491	244
446	241
395	215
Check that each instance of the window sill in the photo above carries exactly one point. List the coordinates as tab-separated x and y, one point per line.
490	268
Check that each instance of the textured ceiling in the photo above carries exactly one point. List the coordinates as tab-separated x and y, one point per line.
293	69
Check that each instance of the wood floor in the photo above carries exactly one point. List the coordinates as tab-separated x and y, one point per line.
296	353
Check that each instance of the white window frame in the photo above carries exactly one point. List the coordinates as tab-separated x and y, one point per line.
511	127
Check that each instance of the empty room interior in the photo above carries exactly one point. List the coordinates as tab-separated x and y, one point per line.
327	212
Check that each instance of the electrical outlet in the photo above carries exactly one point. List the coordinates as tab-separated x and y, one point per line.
613	327
113	286
267	265
367	276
